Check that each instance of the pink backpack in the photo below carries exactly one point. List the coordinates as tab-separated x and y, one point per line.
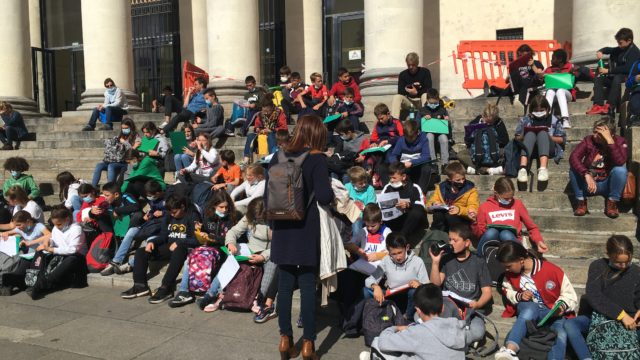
203	264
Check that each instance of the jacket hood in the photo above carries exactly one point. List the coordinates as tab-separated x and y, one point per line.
446	193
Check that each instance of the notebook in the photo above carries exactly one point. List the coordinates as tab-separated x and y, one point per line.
469	129
436	126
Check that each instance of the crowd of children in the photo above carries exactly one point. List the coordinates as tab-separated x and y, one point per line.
215	214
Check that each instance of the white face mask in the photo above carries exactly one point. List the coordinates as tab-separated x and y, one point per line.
539	114
396	185
284	78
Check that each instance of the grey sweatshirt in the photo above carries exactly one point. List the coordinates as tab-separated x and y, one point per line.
436	338
399	274
259	239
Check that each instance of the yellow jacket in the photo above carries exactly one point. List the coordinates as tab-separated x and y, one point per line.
466	199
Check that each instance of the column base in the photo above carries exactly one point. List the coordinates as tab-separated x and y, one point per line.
26	106
584	58
94	97
381	81
228	91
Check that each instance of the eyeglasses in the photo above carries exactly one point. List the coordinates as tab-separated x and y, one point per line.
108	86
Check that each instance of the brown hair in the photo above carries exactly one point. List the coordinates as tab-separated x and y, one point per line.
624	34
454	168
5	106
504	185
18	194
619	245
309	132
357	173
539	102
372	213
22	216
381	109
255	212
256	169
411	130
315	76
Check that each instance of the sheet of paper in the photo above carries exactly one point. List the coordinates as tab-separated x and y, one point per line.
243	250
438	208
456	296
9	246
363	266
409	157
387	203
228	271
396	290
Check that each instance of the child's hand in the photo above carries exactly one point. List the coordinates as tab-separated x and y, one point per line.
472	215
303	105
527	295
149	248
173	246
146	217
197	225
360	159
183	171
427	117
256	259
454	210
360	205
530	62
232	249
542	247
435	259
345	114
157	213
378	295
473	305
372	257
407	164
153	153
638	78
41	247
187	151
629	323
95	210
403	204
414	284
316	107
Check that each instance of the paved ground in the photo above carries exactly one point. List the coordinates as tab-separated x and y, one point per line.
94	323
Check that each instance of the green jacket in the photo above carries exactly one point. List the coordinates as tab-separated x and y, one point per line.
146	169
24	181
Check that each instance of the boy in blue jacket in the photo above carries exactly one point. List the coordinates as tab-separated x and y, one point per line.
412	150
173	244
633	84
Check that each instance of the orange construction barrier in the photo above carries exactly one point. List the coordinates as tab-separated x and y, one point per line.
189	74
489	60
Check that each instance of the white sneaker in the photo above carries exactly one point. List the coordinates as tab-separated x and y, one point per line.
566	124
471	171
496	170
505	354
543	174
523	175
161	126
365	355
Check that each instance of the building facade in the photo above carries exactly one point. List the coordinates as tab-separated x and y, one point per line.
58	52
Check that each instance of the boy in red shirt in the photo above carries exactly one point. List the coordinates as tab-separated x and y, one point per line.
318	93
344	81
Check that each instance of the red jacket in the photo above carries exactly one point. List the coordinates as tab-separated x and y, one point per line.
99	200
337	90
278	121
549	280
583	155
491	212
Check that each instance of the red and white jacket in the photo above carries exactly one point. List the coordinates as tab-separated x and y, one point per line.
514	215
547	281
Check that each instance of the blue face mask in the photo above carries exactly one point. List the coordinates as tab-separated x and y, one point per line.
87	199
15	174
221	215
208	103
111	90
504	202
433	106
126	131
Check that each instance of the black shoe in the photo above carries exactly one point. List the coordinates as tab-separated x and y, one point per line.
229	133
87	128
137	290
16	146
34	293
183	298
162	294
204	301
6	290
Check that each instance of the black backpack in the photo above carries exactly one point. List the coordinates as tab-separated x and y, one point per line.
376	317
485	150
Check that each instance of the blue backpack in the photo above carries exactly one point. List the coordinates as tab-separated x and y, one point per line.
485	150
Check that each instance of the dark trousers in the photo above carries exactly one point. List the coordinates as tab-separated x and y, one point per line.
171	105
421	175
112	114
176	261
411	222
9	134
611	94
183	116
443	221
71	272
634	103
306	279
289	109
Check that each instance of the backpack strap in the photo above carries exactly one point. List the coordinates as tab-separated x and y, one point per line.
479	155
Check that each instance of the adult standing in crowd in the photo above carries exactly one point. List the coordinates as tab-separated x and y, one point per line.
114	107
413	84
296	244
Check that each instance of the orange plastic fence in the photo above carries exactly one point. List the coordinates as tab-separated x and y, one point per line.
488	61
189	74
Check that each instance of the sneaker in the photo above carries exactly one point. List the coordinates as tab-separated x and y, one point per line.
543	174
581	208
229	133
87	128
565	123
137	290
365	355
523	175
204	301
7	147
161	126
471	170
596	110
123	268
266	314
6	290
496	171
611	209
299	322
505	354
214	306
161	294
109	270
183	298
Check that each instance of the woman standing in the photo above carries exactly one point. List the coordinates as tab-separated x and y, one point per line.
296	244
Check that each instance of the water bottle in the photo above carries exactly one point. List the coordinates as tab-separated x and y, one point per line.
600	65
412	113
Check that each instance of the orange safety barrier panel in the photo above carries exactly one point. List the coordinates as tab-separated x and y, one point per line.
489	60
189	74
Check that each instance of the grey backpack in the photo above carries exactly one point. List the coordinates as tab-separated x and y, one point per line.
285	190
376	317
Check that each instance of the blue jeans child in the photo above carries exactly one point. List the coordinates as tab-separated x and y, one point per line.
494	234
113	170
182	161
611	187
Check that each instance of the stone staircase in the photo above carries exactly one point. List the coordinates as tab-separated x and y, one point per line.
574	242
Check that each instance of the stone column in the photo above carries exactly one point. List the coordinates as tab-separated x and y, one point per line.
234	47
36	41
108	53
392	29
596	22
194	45
15	58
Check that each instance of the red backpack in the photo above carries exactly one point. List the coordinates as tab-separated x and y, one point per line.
242	290
100	252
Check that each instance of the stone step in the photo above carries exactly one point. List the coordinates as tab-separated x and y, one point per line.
470	108
56	153
595	223
557	182
553	200
578	245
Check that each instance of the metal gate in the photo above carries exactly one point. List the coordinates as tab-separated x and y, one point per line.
156	48
272	40
43	77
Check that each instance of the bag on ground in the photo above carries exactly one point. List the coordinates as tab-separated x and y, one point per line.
242	290
100	252
376	317
608	339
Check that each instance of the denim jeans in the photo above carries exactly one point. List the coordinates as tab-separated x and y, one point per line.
123	249
533	311
113	170
306	279
272	145
76	204
356	227
403	300
182	161
611	187
111	112
574	330
494	234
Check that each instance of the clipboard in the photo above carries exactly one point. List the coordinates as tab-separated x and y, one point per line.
375	149
436	126
331	118
148	144
549	314
237	257
178	141
121	226
535	129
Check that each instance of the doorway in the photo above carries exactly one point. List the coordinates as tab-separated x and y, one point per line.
344	39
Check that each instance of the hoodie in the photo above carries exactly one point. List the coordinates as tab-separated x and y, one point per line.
399	274
419	146
491	212
181	231
436	338
352	146
391	131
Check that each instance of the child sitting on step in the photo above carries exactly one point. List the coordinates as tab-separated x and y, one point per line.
458	198
68	194
17	198
432	111
252	187
229	175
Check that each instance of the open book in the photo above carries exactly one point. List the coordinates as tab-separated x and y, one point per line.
456	297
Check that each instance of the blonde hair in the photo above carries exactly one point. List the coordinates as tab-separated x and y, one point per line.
412	58
490	111
314	76
357	173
